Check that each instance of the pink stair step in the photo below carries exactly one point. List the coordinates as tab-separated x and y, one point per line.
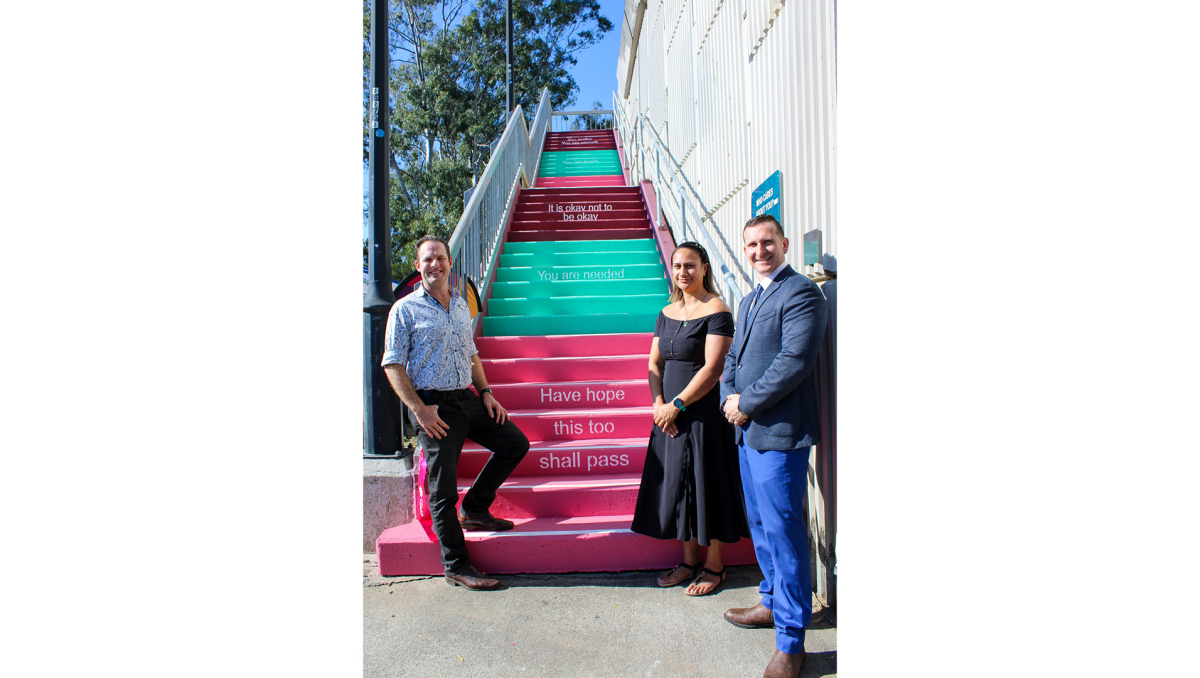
573	394
579	203
580	145
582	234
554	216
584	424
603	180
538	370
580	221
540	545
564	345
546	497
581	193
566	457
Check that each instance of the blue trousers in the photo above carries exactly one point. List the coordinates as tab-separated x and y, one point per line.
774	483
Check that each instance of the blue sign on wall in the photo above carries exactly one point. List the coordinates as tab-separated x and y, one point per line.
768	198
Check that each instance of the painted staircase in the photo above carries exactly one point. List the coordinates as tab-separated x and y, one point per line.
565	346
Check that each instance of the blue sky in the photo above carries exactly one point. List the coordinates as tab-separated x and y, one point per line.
596	72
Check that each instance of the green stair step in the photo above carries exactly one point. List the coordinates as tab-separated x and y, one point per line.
551	172
581	273
559	246
579	163
639	303
579	259
606	323
579	156
576	288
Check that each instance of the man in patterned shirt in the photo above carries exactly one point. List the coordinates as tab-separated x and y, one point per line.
430	359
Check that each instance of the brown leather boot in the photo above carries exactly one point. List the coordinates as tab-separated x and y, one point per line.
472	579
784	665
757	617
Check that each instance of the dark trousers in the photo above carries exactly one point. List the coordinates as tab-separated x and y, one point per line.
467	418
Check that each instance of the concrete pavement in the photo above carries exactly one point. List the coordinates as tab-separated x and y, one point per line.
602	625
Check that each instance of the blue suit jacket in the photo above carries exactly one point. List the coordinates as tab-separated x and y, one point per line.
771	365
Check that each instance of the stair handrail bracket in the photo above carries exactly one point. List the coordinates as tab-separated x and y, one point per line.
676	194
475	243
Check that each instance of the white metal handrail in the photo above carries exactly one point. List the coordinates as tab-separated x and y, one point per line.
475	243
685	199
564	116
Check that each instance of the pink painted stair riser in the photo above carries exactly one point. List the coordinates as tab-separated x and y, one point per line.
579	212
565	346
588	234
564	457
538	370
602	180
547	497
573	394
581	221
539	545
581	193
584	424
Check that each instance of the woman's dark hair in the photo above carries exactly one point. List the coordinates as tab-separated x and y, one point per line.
709	286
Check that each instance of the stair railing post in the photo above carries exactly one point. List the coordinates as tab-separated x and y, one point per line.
683	213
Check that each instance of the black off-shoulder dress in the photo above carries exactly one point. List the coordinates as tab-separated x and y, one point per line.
691	486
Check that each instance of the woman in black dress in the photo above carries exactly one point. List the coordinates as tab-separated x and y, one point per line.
691	487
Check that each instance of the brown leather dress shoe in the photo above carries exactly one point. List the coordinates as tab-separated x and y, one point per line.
472	579
485	522
784	665
757	617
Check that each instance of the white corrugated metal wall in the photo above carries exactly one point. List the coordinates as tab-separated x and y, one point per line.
739	89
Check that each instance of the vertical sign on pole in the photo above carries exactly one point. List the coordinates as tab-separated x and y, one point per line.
768	198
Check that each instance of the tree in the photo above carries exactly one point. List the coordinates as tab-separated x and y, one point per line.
448	96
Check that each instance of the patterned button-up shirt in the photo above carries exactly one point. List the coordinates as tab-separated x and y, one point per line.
434	346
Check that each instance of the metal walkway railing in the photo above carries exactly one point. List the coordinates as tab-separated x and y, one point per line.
649	158
475	243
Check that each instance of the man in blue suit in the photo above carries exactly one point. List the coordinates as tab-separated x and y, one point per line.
770	395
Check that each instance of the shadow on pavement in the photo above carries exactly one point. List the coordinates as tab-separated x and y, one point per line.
819	664
739	576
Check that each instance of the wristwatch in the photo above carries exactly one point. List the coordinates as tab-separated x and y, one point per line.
485	390
679	403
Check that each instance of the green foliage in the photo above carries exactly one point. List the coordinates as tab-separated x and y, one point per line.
448	96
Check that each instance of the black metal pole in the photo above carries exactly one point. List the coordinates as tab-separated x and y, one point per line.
379	401
508	59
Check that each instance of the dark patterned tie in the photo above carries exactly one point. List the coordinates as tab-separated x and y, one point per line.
750	312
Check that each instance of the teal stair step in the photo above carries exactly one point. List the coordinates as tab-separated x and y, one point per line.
592	171
579	259
634	303
577	288
582	273
535	325
579	156
560	246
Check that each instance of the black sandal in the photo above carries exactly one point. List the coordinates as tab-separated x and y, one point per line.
700	575
694	568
